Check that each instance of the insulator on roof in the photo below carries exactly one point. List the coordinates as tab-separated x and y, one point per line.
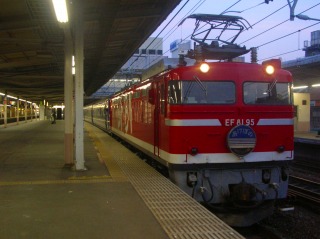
254	55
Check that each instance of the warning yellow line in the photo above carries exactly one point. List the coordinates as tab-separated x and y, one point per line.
71	180
104	155
89	177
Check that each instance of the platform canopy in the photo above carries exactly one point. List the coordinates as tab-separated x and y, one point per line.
32	43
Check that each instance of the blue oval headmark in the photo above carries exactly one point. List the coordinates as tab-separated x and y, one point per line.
242	131
241	140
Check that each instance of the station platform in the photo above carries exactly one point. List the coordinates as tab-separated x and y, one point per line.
307	137
119	196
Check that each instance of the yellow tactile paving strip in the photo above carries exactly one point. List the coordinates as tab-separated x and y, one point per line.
179	215
104	154
95	179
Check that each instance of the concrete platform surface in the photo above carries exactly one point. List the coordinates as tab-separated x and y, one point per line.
307	137
39	198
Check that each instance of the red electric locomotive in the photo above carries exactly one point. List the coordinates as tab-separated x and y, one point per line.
224	130
226	136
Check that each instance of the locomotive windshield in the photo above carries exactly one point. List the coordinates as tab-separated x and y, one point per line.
201	92
266	93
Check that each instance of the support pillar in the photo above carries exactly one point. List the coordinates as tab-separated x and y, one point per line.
25	111
302	103
42	112
5	119
31	110
17	110
79	150
68	95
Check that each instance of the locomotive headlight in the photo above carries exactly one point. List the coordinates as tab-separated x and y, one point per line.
204	67
269	69
271	65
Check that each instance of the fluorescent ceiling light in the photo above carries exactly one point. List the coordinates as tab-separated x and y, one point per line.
12	97
73	66
60	7
300	87
316	85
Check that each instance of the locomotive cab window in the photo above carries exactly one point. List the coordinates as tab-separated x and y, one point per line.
267	93
201	92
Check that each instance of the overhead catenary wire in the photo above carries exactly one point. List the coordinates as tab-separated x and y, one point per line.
200	28
239	11
298	31
261	20
266	43
249	8
276	24
264	31
281	54
161	30
172	30
271	28
192	10
270	15
230	7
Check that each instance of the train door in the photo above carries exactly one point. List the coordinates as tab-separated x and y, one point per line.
107	114
156	119
159	116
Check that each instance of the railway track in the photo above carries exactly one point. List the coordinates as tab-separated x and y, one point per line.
307	164
277	229
305	189
259	231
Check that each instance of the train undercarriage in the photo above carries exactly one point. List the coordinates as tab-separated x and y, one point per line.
240	196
